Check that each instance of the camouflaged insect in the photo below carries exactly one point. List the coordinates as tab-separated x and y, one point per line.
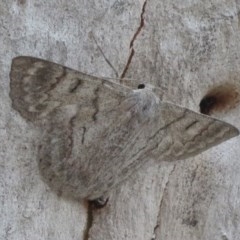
96	132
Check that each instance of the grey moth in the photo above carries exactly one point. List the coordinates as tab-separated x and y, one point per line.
96	133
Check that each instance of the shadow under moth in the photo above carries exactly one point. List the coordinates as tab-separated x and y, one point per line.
95	132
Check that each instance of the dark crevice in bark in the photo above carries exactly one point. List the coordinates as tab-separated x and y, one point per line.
89	221
128	64
141	25
158	223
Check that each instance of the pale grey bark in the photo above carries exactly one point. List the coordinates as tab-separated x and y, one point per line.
184	47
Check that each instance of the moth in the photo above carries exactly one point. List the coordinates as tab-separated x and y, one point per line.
96	133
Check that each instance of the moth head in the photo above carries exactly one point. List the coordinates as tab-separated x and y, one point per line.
147	86
141	86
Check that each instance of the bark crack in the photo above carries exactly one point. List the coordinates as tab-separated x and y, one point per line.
89	222
158	223
141	25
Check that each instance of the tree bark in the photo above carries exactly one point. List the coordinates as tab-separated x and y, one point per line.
186	48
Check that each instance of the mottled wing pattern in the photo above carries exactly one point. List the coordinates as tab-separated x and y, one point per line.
38	87
172	133
180	133
97	132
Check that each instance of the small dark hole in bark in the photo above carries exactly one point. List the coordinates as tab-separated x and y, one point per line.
220	99
207	103
141	86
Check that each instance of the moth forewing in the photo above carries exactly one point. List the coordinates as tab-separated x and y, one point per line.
188	133
37	87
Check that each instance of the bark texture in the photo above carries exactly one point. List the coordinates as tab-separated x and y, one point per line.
189	49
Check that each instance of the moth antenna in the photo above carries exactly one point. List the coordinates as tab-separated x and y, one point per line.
104	56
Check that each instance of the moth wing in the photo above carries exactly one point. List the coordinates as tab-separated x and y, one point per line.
38	87
172	133
103	131
180	133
